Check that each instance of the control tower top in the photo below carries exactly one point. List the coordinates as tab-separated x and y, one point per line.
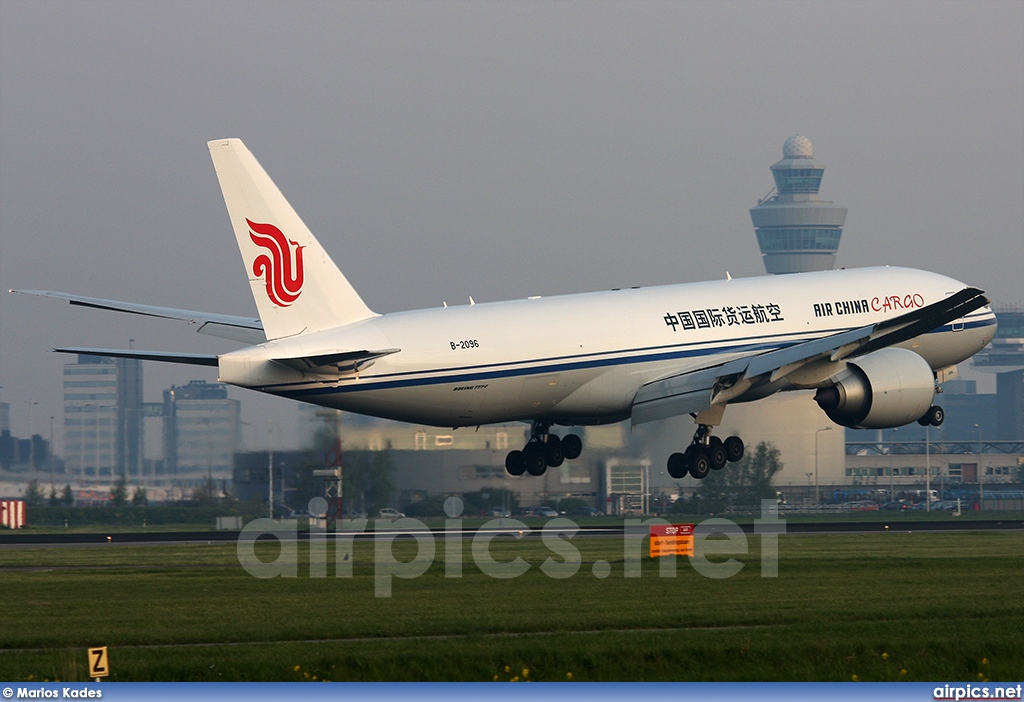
796	230
797	146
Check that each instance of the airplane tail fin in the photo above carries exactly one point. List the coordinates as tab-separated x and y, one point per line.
297	287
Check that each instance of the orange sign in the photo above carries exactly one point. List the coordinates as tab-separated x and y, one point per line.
671	540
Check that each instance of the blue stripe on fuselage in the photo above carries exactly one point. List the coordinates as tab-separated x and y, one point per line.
564	363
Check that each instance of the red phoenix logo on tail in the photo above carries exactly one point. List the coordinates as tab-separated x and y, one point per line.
282	269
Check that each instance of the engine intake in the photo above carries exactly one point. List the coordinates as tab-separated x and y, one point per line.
886	388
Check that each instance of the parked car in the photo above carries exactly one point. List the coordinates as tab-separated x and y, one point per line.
584	512
388	513
545	512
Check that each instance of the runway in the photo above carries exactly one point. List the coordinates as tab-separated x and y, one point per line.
56	539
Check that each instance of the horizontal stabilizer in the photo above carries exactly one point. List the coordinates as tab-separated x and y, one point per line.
333	363
190	359
246	330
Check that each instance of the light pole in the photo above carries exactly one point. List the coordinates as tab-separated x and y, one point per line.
892	467
90	409
270	465
817	489
49	455
980	470
942	472
31	432
927	468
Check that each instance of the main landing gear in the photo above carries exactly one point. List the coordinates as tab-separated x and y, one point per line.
544	450
705	454
933	417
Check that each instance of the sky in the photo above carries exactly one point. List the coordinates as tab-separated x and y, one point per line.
442	150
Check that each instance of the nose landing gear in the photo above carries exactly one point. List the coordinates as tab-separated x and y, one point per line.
933	417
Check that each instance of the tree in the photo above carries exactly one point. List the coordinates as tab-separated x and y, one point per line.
33	494
54	497
763	467
207	493
489	499
432	506
139	498
119	493
67	496
742	484
573	507
369	478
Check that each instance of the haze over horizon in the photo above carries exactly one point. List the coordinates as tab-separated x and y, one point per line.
440	150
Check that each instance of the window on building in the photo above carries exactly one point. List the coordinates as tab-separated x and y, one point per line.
798	180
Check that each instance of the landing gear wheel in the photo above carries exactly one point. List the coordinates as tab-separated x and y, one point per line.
533	458
572	446
700	464
553	454
677	467
515	463
717	456
733	448
936	415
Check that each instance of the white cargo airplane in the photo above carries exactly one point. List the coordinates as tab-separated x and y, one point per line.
874	342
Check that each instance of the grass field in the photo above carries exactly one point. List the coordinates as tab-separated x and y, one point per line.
918	606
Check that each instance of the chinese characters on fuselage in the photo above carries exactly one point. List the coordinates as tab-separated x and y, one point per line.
724	317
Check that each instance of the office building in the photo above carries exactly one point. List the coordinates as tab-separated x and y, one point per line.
5	416
201	432
103	427
1005	357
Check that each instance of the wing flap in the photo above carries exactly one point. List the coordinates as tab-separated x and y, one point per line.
685	393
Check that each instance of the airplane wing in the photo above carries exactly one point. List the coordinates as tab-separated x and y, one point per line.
700	390
247	330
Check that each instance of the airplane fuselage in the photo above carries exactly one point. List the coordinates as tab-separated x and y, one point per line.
581	359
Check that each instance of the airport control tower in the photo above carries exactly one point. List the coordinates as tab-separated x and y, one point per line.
796	231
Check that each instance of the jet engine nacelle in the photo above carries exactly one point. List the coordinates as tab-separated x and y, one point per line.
886	388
